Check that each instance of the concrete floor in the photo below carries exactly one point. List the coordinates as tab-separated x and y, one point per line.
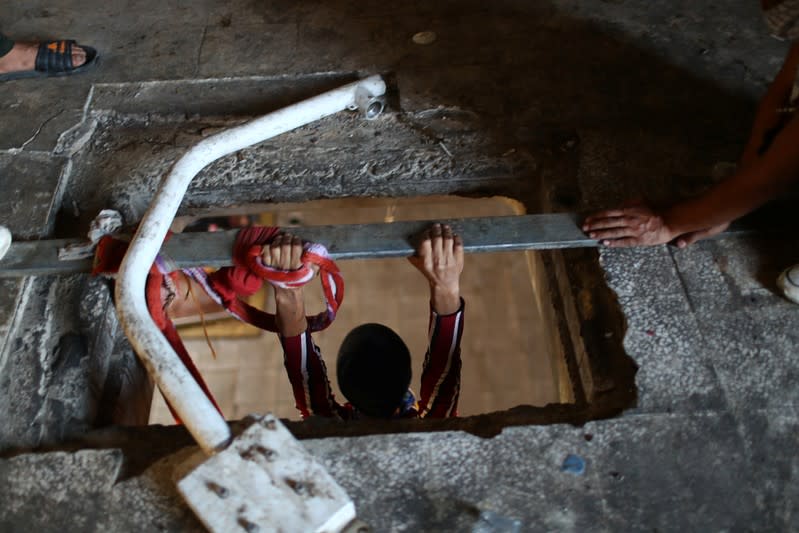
560	104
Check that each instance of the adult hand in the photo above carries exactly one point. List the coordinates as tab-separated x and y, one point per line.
439	257
637	225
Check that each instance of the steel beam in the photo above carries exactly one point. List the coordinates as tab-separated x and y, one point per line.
354	241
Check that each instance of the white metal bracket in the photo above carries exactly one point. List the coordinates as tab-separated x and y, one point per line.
266	481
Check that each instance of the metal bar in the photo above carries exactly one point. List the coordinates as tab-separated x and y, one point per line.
353	241
396	239
40	258
486	234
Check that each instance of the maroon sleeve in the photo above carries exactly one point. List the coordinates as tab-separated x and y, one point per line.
441	374
308	376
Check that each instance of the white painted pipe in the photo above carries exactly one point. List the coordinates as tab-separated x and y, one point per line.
5	241
195	410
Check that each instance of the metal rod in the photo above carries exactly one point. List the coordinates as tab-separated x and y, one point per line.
396	239
345	241
353	241
195	410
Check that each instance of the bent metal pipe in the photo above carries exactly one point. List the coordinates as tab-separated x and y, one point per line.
195	410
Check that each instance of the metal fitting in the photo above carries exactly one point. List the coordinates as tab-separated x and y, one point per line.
370	105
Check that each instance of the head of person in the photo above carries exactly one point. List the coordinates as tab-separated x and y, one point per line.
374	370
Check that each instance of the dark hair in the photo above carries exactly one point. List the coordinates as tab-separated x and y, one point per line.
374	369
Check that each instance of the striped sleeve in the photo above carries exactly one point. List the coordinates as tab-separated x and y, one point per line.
441	375
308	376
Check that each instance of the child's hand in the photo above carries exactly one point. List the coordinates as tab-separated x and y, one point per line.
283	253
439	257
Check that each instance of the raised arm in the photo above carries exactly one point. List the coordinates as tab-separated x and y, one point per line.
303	360
769	117
439	257
743	192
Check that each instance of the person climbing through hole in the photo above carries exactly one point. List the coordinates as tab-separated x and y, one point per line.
374	364
768	166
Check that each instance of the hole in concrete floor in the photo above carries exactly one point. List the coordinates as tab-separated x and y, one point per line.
511	348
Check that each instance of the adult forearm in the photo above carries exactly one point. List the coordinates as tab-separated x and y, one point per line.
776	97
766	119
290	306
721	205
748	189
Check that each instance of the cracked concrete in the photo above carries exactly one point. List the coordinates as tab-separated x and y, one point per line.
565	103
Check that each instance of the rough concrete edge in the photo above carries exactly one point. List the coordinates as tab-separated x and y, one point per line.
228	79
22	298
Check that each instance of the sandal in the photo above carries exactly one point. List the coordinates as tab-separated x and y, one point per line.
54	58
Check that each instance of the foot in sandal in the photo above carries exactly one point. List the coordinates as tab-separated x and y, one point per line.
46	59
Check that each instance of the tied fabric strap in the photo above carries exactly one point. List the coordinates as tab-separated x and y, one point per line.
226	285
162	321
